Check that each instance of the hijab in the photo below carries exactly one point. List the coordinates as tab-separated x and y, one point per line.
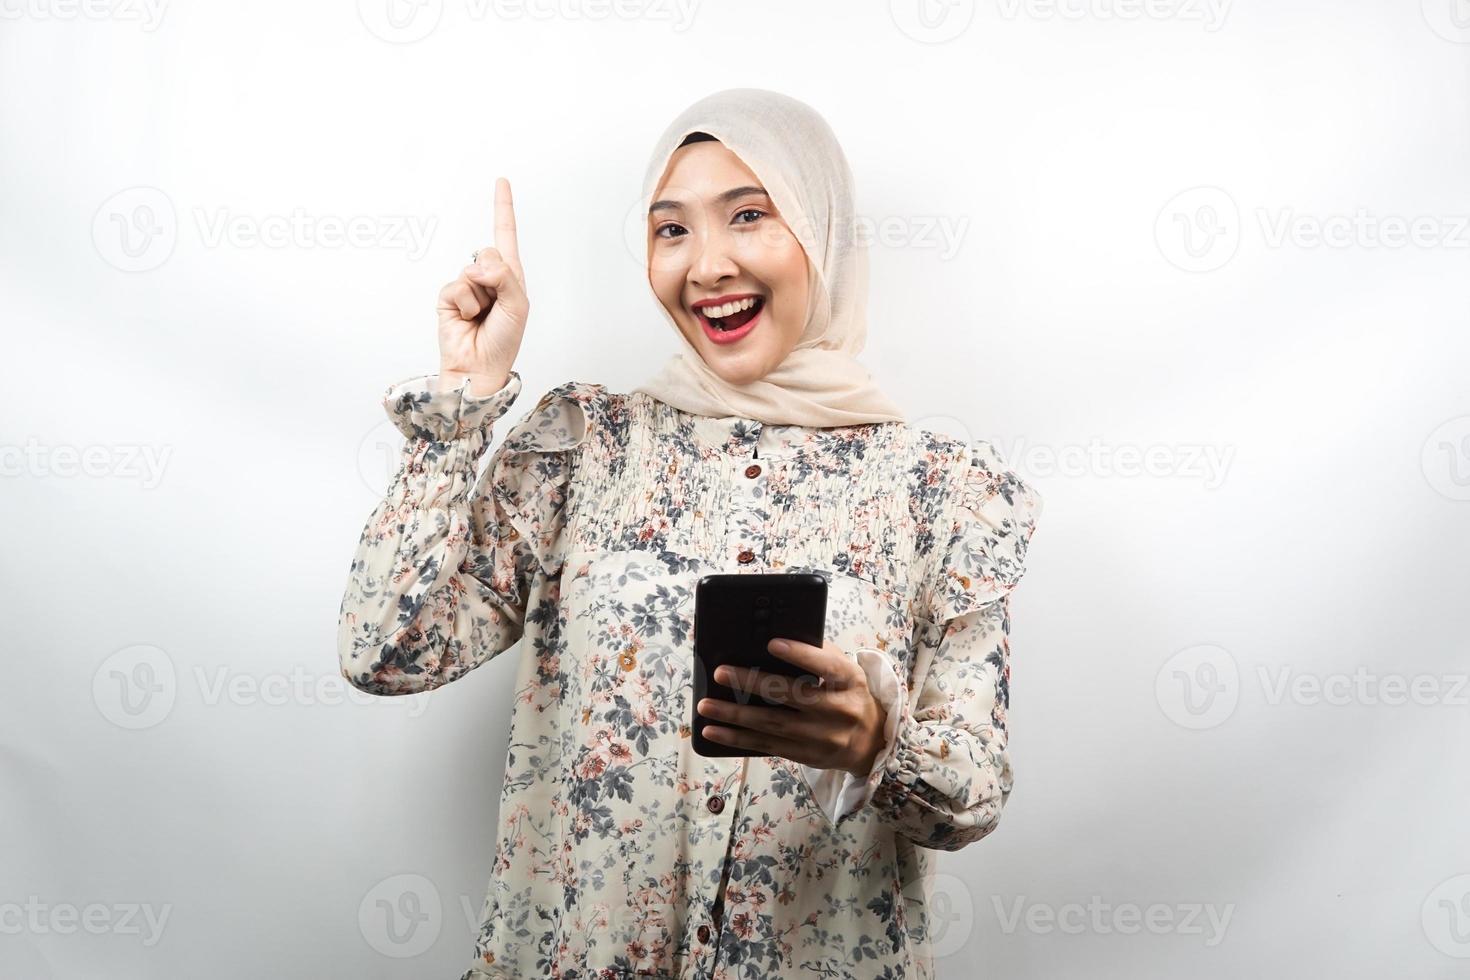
798	160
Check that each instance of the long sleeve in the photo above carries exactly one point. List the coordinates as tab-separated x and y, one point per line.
946	775
445	565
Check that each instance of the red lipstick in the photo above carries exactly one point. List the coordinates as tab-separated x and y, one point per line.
732	334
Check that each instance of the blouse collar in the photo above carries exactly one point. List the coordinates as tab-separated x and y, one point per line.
732	435
736	436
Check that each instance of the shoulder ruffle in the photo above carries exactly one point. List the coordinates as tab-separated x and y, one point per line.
531	473
993	517
558	422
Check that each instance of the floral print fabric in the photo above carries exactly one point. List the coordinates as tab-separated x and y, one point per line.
619	851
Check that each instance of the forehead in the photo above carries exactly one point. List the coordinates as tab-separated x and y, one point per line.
701	171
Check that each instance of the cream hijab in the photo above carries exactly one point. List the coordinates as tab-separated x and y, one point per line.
799	161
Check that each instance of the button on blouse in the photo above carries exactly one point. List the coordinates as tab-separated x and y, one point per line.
619	851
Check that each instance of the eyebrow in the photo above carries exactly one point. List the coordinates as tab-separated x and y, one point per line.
725	197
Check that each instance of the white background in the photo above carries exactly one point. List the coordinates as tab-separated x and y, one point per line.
1226	238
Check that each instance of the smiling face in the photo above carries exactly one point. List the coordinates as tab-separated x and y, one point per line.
716	245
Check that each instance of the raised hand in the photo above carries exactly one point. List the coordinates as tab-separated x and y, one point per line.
482	314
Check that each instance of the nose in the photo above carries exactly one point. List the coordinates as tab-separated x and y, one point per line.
714	259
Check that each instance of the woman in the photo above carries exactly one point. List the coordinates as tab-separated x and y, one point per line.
762	447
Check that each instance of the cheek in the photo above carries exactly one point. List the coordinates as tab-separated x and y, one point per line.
792	282
667	287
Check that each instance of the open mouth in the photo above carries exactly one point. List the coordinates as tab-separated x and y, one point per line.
743	313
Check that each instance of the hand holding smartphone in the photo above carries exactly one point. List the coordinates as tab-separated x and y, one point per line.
735	617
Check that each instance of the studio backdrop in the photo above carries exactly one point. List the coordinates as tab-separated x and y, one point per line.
1196	268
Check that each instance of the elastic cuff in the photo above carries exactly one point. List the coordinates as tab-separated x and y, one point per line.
900	773
420	411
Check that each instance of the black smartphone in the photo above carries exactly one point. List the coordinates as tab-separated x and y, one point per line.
735	616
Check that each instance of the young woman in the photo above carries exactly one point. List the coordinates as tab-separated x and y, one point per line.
763	446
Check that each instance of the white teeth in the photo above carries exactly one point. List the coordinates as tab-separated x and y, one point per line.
715	312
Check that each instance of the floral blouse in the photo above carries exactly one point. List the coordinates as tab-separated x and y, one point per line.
620	852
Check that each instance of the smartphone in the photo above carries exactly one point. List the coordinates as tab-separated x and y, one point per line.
735	616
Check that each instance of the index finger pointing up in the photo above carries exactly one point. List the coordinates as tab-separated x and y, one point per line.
505	224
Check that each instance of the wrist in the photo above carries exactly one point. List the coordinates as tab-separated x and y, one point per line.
872	743
481	384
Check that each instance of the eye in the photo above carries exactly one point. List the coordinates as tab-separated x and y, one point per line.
659	231
755	211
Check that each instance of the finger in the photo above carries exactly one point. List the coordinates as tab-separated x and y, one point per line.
486	271
482	295
781	722
498	277
505	224
460	296
827	661
756	741
793	692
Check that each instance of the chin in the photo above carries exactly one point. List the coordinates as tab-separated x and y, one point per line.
734	366
739	377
